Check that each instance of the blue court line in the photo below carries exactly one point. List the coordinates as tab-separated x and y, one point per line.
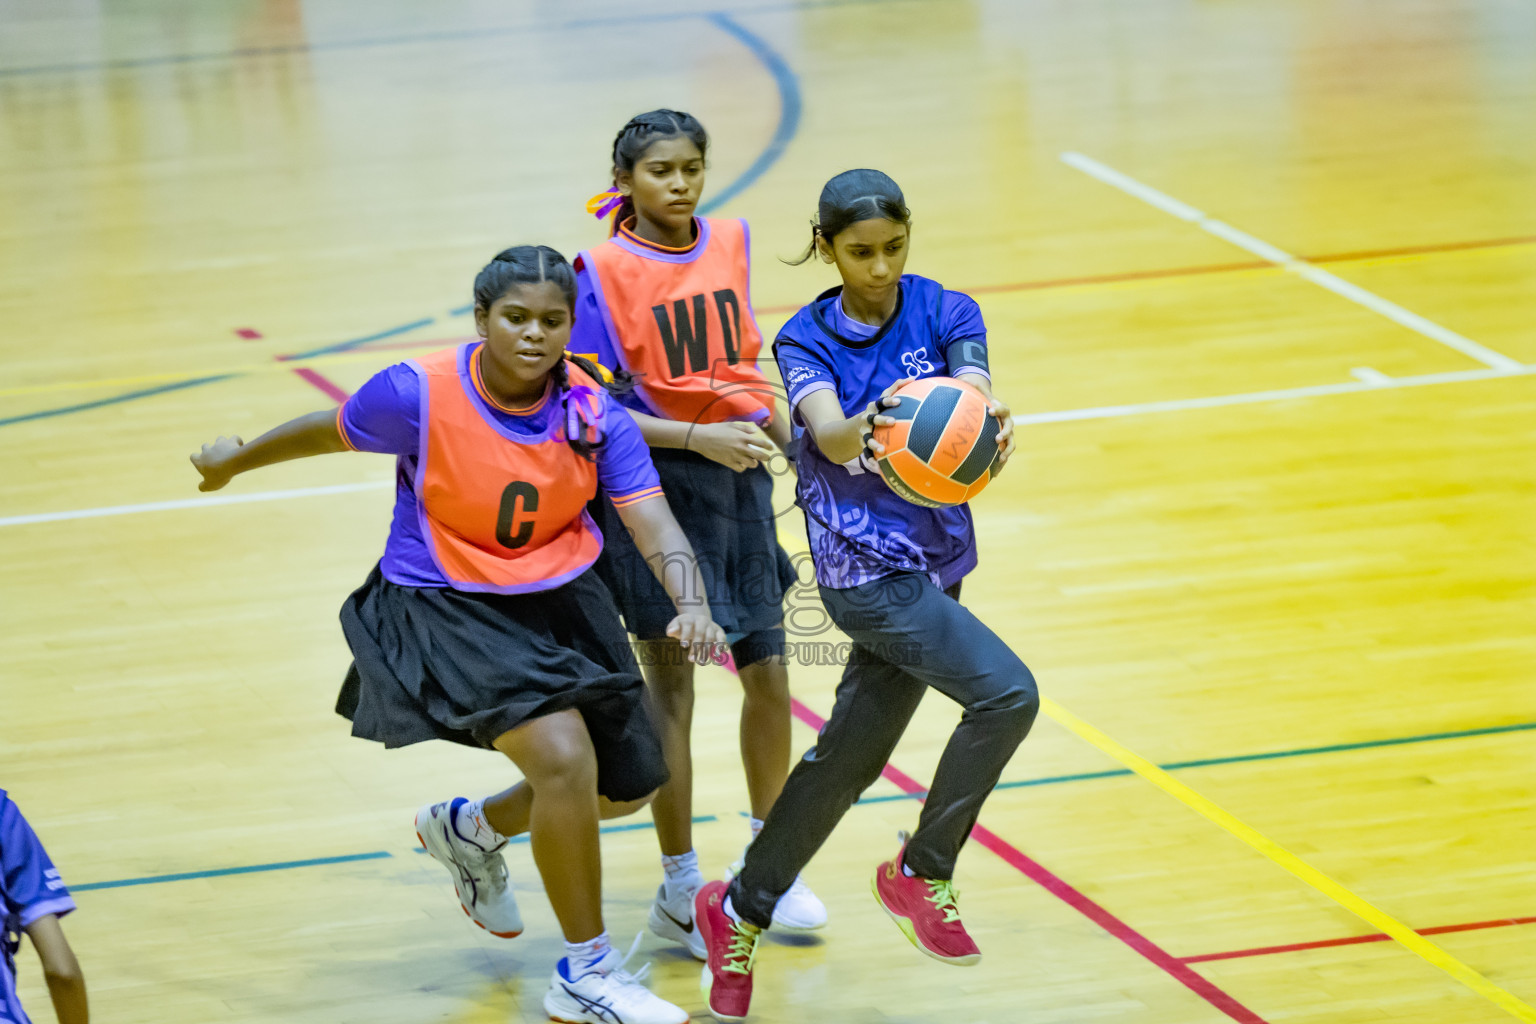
789	123
1049	780
457	35
1206	762
249	869
285	865
161	389
635	826
789	109
342	346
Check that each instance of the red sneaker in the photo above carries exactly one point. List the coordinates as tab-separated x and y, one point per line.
732	946
924	909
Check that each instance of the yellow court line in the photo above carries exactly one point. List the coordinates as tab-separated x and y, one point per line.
357	356
1372	915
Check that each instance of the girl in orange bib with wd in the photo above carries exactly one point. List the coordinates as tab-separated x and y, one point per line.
483	623
667	298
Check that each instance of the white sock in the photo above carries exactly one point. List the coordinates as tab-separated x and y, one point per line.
908	871
730	911
757	827
682	873
582	958
472	823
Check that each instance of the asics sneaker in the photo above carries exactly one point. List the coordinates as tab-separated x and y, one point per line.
608	995
479	874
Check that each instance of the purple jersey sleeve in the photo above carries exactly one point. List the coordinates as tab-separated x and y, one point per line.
624	466
803	370
385	413
962	335
589	330
29	882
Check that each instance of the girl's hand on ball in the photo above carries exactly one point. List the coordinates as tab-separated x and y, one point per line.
213	462
873	416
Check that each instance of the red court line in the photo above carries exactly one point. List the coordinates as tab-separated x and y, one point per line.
1353	940
1224	268
1129	275
1059	888
331	390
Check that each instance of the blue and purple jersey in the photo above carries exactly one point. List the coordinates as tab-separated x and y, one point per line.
385	416
859	529
30	888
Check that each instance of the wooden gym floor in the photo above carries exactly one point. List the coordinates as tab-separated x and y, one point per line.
1260	278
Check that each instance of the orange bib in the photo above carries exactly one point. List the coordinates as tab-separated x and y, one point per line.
684	325
502	512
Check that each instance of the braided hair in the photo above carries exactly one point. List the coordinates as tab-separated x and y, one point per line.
636	137
532	264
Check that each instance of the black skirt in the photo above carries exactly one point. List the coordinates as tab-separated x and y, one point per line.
436	663
729	519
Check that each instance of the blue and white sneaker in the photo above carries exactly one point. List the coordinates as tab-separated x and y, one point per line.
479	874
608	995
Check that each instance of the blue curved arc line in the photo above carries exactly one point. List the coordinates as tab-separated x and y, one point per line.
789	109
789	124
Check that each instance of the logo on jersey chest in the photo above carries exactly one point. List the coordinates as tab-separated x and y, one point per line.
916	362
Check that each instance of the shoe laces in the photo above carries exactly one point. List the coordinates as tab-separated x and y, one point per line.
623	977
743	948
942	894
489	868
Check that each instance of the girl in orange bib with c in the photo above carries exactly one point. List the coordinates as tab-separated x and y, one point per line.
483	624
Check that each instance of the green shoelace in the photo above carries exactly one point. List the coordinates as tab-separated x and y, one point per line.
943	896
743	949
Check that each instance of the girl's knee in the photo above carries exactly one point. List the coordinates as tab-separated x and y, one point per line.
565	766
1016	697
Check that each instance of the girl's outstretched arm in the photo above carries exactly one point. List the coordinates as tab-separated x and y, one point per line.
845	438
666	550
312	434
66	983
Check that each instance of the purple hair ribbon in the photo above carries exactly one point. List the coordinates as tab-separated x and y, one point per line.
604	203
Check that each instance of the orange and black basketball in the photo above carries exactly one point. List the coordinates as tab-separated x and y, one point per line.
942	449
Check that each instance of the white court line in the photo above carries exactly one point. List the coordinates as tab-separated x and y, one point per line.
1370	375
1281	395
1300	267
1103	412
166	506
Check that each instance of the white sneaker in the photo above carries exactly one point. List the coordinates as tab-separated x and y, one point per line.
608	996
798	910
479	874
673	920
